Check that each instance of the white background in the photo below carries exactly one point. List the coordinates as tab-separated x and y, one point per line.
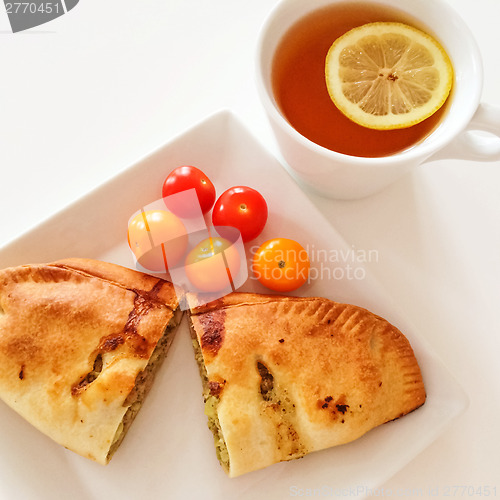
85	96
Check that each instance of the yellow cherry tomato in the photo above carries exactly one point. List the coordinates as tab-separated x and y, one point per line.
205	266
158	239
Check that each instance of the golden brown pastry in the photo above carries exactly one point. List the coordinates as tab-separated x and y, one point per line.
285	376
80	341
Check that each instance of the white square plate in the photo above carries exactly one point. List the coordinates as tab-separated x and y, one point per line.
168	452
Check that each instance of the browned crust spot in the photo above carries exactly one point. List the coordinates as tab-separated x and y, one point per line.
334	406
216	388
214	331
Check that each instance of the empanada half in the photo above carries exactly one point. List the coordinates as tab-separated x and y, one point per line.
80	341
285	376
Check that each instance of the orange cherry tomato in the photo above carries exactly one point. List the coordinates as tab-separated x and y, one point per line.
281	264
158	239
205	266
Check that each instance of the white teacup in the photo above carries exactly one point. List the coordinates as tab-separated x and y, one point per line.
341	176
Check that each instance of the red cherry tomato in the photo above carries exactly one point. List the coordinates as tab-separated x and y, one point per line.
243	208
189	177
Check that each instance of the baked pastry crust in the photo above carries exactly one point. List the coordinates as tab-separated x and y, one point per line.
295	375
75	336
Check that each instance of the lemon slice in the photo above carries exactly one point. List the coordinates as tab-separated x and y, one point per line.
387	75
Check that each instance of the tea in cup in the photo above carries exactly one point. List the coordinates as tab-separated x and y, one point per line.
327	150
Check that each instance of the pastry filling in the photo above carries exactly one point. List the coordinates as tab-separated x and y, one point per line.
89	378
211	404
144	381
266	382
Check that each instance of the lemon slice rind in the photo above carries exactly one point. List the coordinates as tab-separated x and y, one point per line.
387	75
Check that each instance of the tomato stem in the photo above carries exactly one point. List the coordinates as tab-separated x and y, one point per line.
281	264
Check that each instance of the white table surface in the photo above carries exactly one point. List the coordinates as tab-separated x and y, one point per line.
85	96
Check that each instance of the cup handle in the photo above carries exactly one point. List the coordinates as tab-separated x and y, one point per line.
469	145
